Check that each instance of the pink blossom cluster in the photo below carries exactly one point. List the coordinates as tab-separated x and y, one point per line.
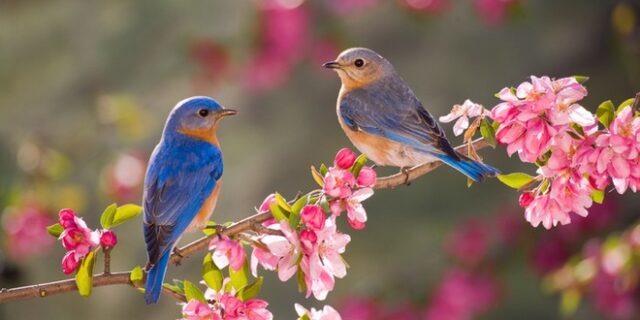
314	246
79	240
223	305
25	230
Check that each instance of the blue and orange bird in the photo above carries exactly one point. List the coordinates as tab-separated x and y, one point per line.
182	182
385	120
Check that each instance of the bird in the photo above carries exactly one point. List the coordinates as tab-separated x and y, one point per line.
385	120
182	182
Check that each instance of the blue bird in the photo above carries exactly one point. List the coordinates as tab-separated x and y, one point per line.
182	182
384	119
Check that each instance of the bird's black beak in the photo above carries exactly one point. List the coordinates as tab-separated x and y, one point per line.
331	65
226	112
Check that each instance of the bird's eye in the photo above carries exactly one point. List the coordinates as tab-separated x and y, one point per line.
203	113
358	63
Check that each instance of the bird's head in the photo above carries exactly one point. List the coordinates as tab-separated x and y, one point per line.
197	117
357	67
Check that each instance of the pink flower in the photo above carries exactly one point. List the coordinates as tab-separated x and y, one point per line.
253	309
338	183
469	243
263	257
66	218
70	263
326	313
463	113
77	236
197	310
525	199
108	239
367	177
318	280
227	253
286	249
266	203
345	158
313	216
308	240
26	231
356	214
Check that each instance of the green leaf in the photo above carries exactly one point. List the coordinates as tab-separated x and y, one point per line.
605	113
299	204
125	213
251	291
302	286
625	104
211	274
137	275
277	212
106	219
488	133
177	287
191	292
323	169
516	180
305	317
317	177
469	183
282	202
84	277
581	79
597	196
358	164
55	230
570	301
239	278
210	229
294	219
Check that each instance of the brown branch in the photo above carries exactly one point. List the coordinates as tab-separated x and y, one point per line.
251	223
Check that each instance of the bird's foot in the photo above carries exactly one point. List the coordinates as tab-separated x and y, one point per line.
147	266
218	228
178	253
405	171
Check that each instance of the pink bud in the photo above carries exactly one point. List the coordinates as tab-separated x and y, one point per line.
367	177
266	203
313	216
70	263
345	158
108	239
526	199
66	218
308	239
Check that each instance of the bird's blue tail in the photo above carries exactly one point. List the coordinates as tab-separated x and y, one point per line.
155	278
473	169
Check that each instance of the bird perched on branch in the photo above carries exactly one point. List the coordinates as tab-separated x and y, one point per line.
182	182
385	120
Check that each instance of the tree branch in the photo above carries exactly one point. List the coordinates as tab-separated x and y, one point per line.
247	224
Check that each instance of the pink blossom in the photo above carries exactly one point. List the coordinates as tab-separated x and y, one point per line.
77	236
286	249
525	199
326	313
469	243
66	218
266	203
610	298
468	110
227	252
26	231
318	280
313	216
367	177
308	240
197	310
263	257
338	183
108	239
345	158
70	263
253	309
356	214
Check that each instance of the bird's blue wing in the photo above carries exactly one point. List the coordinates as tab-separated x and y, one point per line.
177	184
392	111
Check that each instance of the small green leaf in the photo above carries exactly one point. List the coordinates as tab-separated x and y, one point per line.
282	202
581	79
317	177
240	278
605	113
137	275
469	183
177	288
358	164
84	277
55	230
323	169
625	104
516	180
251	291
299	204
294	219
570	301
277	212
211	273
597	196
125	213
305	317
191	292
302	285
210	229
106	219
488	133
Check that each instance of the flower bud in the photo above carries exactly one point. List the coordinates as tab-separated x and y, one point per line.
108	239
70	263
266	203
66	218
312	216
526	199
308	239
345	158
367	177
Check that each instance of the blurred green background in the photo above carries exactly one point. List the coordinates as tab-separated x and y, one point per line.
85	88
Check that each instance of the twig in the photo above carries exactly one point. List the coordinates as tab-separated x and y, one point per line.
252	223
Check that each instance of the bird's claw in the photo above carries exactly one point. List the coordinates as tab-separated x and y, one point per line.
405	171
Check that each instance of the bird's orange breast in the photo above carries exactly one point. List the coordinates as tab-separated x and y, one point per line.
200	221
208	135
